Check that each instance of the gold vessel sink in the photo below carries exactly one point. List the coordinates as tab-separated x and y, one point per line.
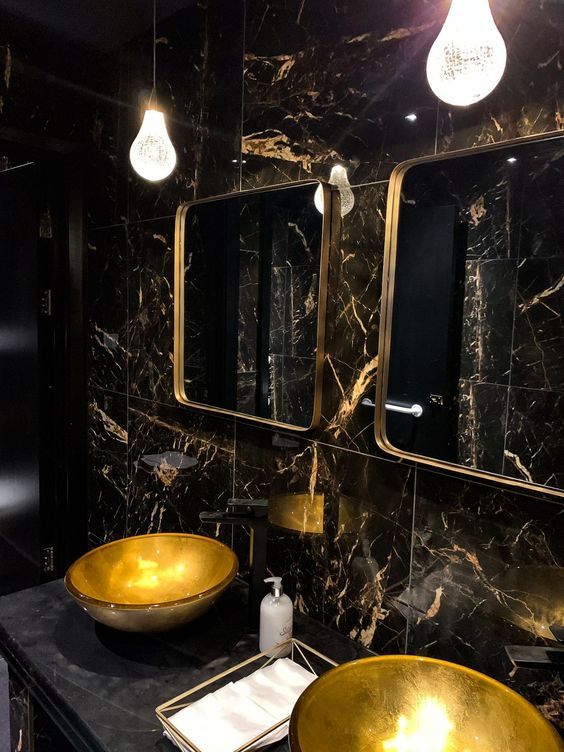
151	583
404	703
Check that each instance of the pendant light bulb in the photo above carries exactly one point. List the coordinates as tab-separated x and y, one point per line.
468	58
340	180
152	154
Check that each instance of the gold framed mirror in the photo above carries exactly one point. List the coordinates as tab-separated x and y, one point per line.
471	347
250	300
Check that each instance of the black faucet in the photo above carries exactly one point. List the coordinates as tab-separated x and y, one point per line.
252	513
548	658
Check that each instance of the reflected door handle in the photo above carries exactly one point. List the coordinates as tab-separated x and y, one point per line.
415	410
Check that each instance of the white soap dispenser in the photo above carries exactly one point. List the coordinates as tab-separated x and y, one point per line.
276	618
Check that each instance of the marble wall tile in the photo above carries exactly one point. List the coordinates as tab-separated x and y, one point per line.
527	100
538	357
482	425
327	83
151	299
353	315
108	308
541	226
292	388
218	158
108	149
486	572
488	317
165	498
534	444
341	530
108	473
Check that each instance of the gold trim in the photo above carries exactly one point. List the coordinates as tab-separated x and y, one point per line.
388	279
328	232
181	701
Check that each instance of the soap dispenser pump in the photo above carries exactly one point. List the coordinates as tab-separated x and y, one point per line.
276	618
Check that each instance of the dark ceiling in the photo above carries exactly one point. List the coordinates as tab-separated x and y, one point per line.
101	24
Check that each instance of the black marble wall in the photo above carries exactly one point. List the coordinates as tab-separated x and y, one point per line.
264	92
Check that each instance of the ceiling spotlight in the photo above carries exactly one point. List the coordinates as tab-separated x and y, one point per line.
512	160
412	117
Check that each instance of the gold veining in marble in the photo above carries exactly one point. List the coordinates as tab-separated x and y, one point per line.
532	598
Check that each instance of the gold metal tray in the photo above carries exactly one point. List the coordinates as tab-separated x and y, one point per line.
300	653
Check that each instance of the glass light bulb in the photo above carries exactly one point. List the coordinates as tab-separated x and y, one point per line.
152	154
467	59
340	180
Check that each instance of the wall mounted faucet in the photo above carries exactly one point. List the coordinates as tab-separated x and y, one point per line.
543	657
251	513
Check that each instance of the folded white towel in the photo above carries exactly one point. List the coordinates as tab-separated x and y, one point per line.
232	716
277	687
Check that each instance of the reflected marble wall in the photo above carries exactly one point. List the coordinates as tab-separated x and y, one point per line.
512	368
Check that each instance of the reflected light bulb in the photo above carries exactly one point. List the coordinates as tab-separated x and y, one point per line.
340	180
427	730
467	59
152	154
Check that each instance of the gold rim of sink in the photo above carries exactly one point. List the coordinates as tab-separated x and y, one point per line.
316	688
150	604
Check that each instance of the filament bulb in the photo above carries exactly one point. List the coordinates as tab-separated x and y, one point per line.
152	154
467	59
340	180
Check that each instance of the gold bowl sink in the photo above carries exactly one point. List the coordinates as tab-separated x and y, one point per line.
151	583
404	703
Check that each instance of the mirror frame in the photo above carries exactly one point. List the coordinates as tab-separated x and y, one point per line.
330	230
385	334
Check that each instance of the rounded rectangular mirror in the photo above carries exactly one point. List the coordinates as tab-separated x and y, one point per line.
472	334
250	294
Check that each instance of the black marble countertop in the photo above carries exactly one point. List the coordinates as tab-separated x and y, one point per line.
101	687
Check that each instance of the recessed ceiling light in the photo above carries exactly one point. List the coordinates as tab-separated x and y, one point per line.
412	117
512	160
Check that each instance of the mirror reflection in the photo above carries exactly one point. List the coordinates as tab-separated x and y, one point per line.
475	371
250	275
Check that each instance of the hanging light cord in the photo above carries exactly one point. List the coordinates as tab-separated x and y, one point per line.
154	89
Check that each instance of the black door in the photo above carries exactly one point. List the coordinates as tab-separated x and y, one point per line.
20	548
426	326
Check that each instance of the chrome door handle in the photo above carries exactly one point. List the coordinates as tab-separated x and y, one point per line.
415	410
